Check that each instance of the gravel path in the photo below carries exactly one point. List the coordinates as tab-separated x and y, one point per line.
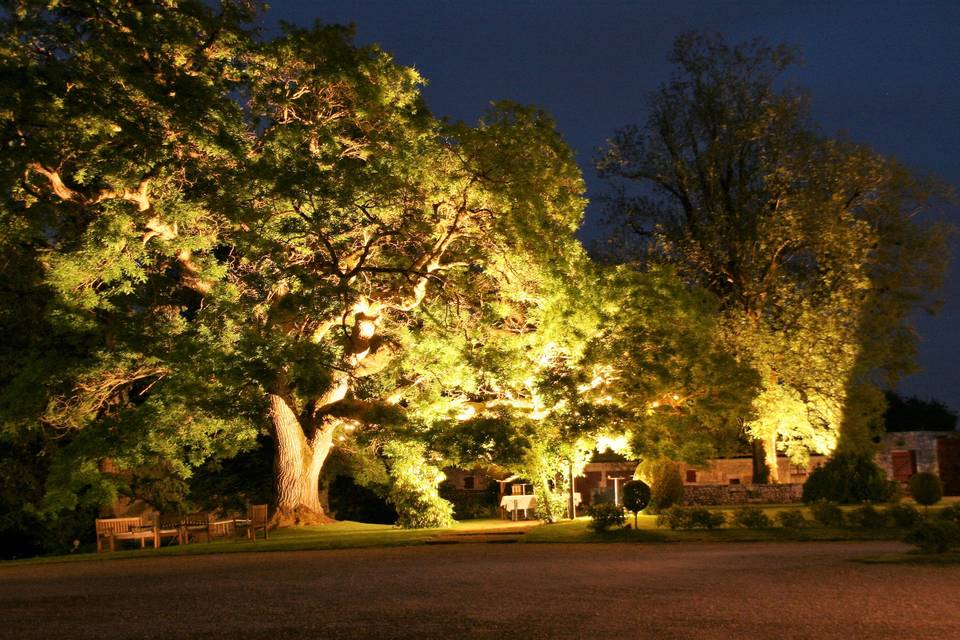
707	591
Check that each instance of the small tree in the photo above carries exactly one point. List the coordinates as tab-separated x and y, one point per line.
636	497
666	485
926	488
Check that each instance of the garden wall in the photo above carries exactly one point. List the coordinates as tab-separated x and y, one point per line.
711	494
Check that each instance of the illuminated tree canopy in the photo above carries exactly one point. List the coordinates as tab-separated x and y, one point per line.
208	236
811	245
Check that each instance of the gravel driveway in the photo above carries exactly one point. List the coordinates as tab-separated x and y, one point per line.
761	590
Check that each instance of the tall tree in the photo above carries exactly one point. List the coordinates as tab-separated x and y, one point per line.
243	234
118	127
798	236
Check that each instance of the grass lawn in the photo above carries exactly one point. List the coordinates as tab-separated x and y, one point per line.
352	535
337	535
647	531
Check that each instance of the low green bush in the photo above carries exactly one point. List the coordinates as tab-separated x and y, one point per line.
925	488
792	519
827	513
849	478
867	517
903	516
934	535
691	518
950	513
751	518
605	515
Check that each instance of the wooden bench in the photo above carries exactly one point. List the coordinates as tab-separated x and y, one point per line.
203	524
256	519
113	529
167	526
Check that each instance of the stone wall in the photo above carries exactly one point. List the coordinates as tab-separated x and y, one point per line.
712	494
740	471
922	443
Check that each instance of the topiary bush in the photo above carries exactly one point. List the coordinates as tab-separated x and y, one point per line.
867	517
903	516
678	517
827	513
605	515
636	497
792	519
925	488
849	478
934	535
751	518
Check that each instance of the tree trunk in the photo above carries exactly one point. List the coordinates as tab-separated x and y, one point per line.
761	472
298	463
771	450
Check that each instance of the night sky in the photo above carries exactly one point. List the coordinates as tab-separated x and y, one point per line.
883	73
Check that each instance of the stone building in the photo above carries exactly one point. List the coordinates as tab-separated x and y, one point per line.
906	452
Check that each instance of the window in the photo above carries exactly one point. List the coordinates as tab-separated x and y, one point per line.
691	475
734	480
468	482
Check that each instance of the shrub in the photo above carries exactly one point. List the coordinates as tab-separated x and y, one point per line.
934	536
827	513
903	515
849	478
666	485
867	517
949	513
636	497
691	518
605	515
792	519
751	518
925	488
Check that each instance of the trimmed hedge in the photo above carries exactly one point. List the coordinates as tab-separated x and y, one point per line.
849	478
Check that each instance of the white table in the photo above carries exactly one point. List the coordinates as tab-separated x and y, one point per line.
515	502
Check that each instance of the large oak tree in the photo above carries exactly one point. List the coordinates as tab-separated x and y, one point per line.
234	234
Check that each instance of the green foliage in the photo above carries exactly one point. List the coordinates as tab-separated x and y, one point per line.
867	517
827	513
263	219
934	536
604	515
678	517
925	488
792	519
751	518
849	478
666	485
903	515
413	490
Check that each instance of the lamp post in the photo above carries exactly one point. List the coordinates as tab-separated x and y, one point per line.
616	488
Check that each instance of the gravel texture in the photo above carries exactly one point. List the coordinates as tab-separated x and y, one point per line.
759	590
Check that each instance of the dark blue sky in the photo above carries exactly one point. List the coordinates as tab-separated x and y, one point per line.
884	73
